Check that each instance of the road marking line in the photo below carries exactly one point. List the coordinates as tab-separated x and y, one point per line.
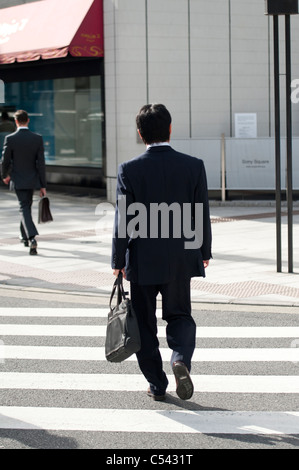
100	330
136	383
66	353
149	421
54	312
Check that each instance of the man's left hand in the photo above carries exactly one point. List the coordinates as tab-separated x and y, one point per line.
6	180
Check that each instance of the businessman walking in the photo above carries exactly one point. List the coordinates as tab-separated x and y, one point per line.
155	261
23	167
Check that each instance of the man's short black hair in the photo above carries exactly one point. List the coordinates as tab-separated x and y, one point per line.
153	122
21	116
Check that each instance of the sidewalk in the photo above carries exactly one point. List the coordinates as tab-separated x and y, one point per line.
75	249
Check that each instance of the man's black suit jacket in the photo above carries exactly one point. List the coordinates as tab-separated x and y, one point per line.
23	160
160	175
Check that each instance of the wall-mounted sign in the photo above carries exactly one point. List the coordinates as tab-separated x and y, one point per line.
245	125
281	7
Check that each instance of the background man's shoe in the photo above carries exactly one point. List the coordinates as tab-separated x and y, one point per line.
155	397
33	247
24	241
184	385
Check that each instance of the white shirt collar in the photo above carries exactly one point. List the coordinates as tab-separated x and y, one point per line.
22	127
157	144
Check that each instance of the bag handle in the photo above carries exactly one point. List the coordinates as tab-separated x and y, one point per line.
118	284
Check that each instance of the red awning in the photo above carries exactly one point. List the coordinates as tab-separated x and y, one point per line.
51	29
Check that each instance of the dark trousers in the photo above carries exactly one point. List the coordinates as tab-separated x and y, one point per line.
27	227
180	329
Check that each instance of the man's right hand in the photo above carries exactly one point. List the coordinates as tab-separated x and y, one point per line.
117	271
43	192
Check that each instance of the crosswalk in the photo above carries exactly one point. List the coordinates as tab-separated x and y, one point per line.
55	350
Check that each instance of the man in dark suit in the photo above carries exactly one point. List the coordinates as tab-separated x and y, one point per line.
163	186
23	167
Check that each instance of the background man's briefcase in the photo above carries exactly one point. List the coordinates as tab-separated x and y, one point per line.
44	213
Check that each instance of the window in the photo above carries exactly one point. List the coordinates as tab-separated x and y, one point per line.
68	113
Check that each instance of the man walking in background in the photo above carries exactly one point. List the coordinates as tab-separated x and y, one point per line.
23	167
155	263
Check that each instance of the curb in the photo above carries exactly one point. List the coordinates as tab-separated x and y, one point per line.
208	304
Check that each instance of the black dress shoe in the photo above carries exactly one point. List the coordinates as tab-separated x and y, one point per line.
33	247
156	397
184	385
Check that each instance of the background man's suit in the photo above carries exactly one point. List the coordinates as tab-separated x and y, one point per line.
23	160
162	265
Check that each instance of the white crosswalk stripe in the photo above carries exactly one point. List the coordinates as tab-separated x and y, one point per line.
133	382
69	353
22	326
78	419
53	312
202	332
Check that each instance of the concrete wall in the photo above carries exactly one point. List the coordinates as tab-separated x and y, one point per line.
204	59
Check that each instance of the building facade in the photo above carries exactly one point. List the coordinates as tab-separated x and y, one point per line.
209	61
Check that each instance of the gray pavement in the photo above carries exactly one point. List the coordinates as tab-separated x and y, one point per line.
74	252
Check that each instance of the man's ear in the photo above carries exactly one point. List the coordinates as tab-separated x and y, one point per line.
140	135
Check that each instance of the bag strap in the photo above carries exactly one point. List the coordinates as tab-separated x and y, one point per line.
121	286
118	284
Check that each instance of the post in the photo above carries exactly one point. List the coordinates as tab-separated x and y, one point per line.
286	8
277	142
223	167
289	141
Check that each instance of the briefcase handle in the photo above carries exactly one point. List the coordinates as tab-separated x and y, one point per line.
121	294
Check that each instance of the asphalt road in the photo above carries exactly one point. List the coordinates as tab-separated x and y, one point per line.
58	392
